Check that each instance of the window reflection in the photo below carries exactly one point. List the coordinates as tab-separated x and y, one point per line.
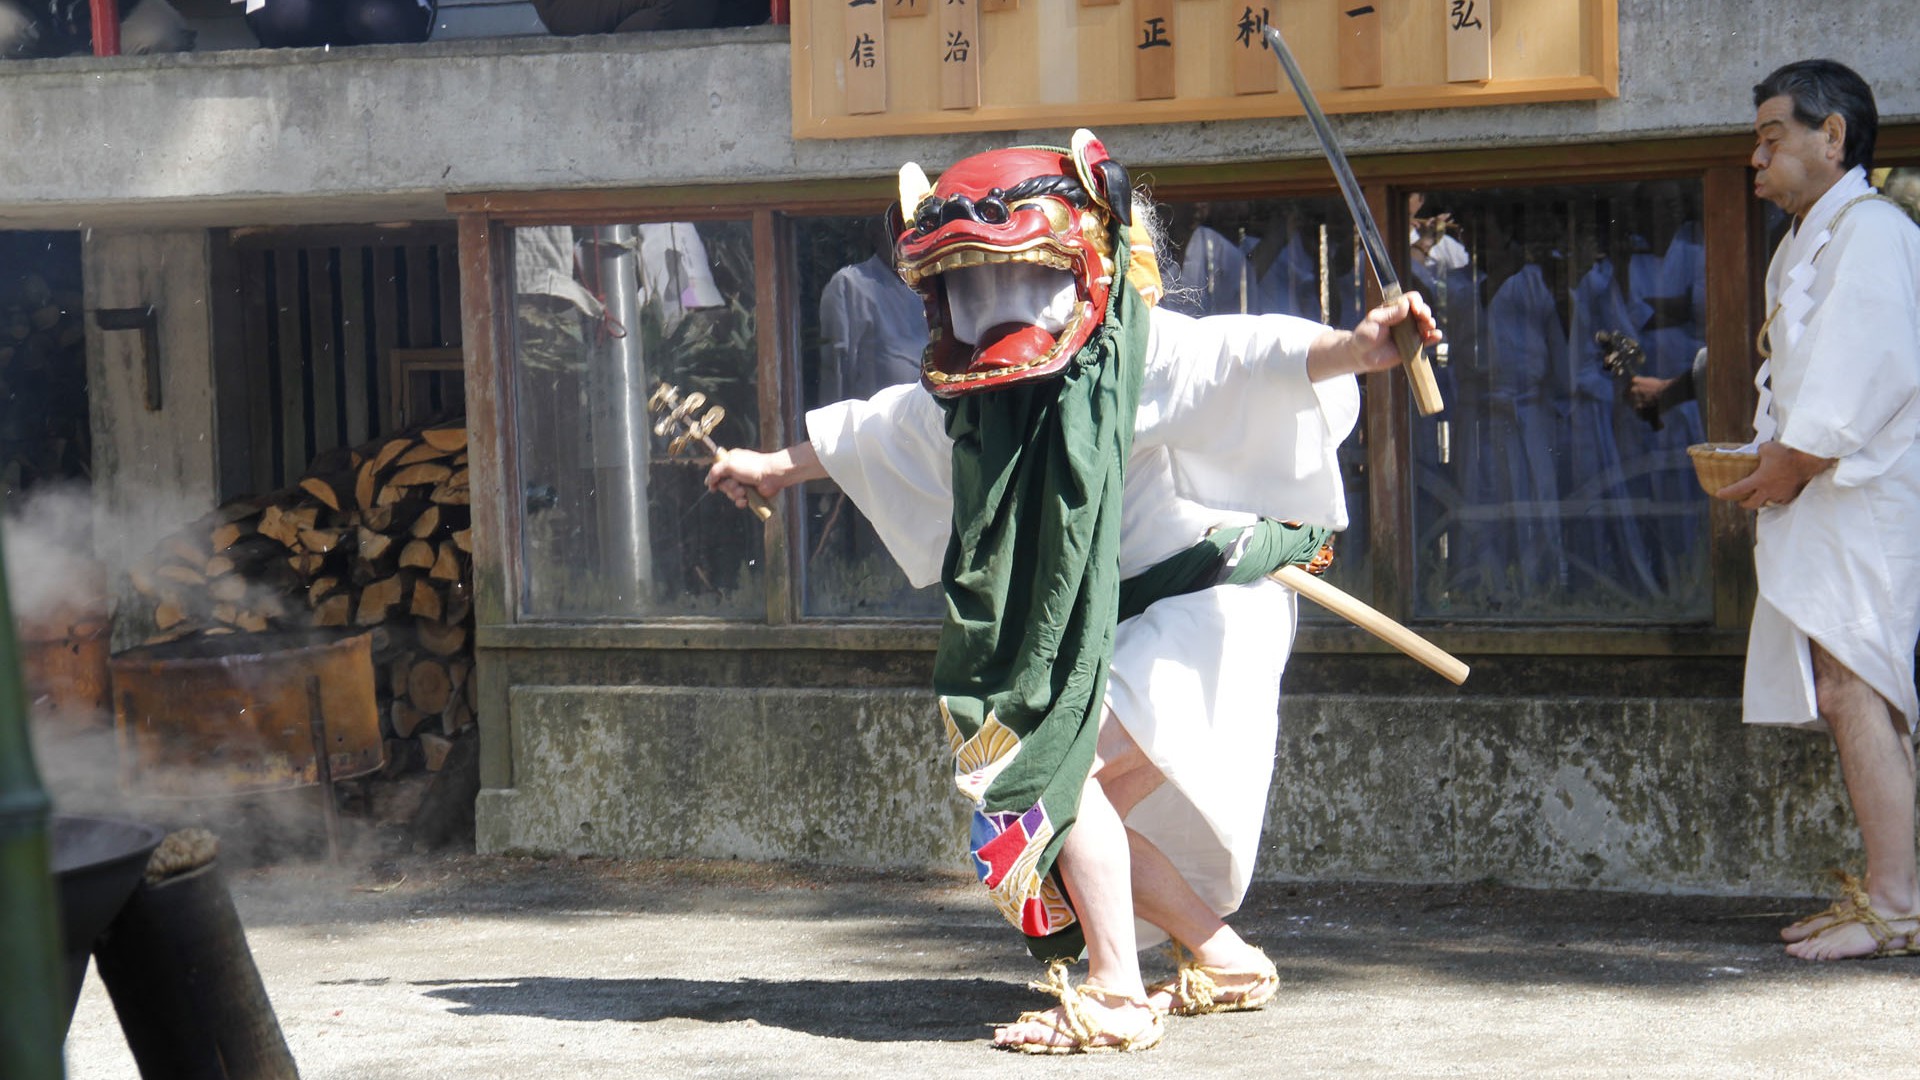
866	331
611	524
861	330
1541	491
1279	257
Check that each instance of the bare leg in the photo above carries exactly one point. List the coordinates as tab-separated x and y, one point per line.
1094	862
1160	895
1876	761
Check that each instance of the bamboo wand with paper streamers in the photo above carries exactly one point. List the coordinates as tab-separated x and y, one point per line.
677	420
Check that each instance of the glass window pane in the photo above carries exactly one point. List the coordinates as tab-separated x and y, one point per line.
1280	257
1543	491
612	523
861	330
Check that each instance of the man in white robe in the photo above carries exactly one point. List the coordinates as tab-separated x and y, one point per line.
1838	486
1240	417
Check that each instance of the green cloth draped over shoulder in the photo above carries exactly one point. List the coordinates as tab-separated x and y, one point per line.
1032	585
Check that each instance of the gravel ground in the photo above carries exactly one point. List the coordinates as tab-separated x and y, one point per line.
422	968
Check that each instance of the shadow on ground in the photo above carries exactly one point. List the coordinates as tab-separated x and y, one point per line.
898	1010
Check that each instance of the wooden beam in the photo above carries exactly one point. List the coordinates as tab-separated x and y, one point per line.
386	330
324	355
361	398
1389	432
1728	398
772	273
485	310
290	362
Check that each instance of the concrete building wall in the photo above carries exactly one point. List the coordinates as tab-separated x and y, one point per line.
851	776
153	470
271	136
1643	794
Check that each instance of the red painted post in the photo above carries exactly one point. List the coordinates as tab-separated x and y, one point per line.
106	27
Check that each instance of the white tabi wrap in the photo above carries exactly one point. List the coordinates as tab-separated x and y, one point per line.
1229	429
1840	564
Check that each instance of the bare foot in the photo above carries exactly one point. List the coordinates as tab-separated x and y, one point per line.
1096	1019
1861	933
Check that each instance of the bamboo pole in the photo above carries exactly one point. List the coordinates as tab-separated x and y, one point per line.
31	970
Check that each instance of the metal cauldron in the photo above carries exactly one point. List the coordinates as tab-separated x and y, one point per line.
244	714
97	863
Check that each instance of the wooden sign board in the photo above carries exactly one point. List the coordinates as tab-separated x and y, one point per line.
957	54
1073	63
1469	29
865	62
1255	70
1153	44
1360	46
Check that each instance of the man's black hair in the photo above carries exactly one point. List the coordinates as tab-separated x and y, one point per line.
1821	88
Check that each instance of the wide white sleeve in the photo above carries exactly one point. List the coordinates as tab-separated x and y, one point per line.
891	455
1858	397
1244	427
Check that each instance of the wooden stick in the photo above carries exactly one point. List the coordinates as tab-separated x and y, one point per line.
755	501
323	767
1350	608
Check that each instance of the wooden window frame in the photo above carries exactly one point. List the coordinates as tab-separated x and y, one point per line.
1732	223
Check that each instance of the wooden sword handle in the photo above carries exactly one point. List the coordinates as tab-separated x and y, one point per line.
1426	392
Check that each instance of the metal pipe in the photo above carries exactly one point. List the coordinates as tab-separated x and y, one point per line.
106	26
616	382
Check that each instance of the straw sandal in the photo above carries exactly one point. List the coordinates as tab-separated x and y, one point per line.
1857	908
1834	912
1085	1032
1198	989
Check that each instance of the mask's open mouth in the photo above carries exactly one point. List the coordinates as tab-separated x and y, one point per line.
1012	254
999	316
984	297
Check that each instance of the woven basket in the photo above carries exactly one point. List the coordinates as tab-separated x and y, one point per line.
1717	465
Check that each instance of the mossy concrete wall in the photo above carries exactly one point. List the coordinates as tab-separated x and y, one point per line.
1669	794
851	777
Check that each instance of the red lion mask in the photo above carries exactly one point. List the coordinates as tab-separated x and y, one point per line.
1025	205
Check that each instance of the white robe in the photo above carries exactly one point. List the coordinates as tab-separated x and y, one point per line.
1229	429
1840	564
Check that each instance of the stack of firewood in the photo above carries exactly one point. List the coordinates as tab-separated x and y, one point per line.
377	536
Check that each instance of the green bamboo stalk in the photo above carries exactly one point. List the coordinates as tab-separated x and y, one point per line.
31	973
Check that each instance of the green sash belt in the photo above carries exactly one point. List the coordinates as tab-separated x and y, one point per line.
1224	557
